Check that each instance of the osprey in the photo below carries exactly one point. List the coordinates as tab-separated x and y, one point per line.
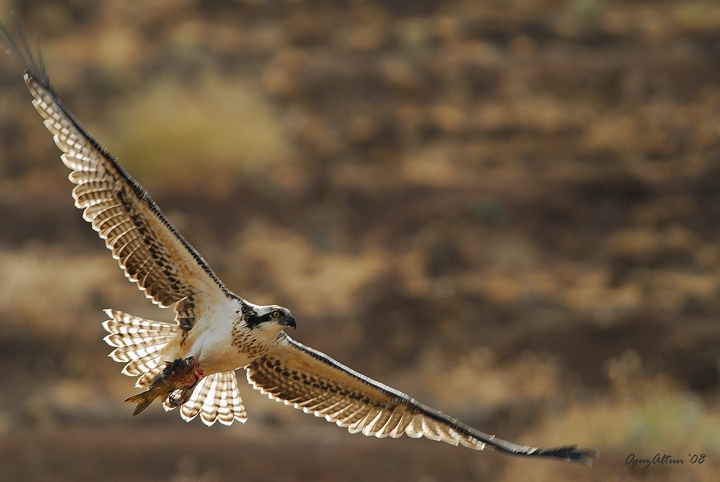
191	364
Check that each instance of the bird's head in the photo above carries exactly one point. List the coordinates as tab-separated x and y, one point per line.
269	317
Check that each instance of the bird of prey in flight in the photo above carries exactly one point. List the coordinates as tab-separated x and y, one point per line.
191	364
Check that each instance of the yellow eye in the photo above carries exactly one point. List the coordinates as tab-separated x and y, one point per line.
275	314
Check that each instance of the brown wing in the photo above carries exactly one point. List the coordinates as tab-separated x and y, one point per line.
148	248
317	384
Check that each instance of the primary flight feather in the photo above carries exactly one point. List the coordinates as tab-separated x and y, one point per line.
191	364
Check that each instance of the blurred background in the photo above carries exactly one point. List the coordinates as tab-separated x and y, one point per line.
506	208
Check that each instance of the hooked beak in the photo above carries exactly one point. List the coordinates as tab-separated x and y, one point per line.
290	321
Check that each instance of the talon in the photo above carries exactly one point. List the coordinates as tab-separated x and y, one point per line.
172	401
184	396
180	375
186	392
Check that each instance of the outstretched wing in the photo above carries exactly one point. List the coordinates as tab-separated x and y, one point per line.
317	384
148	248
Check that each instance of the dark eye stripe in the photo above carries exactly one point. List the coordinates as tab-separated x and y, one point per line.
254	320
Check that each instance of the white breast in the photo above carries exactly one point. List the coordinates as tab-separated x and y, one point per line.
221	342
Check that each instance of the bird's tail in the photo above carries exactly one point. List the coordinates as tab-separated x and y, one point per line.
215	397
139	343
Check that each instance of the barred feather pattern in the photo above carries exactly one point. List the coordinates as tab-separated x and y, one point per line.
215	398
315	383
290	375
137	343
147	247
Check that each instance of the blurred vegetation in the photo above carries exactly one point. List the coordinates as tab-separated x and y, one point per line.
241	134
508	209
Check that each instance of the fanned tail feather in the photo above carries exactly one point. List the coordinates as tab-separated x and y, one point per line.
147	378
215	398
138	343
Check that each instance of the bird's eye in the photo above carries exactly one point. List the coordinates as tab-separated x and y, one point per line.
275	314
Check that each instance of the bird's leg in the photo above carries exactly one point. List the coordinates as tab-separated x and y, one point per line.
186	392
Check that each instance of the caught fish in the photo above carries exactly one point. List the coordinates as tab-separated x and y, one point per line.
180	374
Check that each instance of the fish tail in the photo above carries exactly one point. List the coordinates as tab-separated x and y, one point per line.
143	401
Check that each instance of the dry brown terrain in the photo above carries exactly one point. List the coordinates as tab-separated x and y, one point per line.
508	209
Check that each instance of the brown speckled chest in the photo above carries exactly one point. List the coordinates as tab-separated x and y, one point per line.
248	342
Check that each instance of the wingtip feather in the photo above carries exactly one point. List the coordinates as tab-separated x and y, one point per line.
571	453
